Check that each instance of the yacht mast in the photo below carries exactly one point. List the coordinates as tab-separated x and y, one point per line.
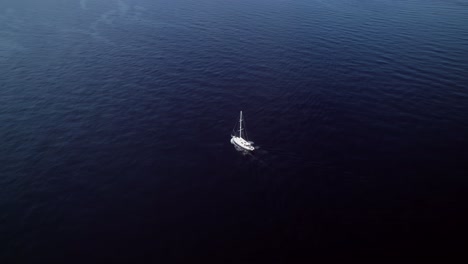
240	125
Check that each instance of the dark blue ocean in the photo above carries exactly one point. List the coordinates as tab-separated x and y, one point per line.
116	115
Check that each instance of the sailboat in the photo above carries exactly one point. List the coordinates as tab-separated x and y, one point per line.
239	141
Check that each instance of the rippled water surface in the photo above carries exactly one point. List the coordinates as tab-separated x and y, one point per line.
115	120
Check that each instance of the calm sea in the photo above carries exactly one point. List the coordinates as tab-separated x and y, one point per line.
115	121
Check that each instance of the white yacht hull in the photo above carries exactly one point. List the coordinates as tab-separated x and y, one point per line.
242	143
